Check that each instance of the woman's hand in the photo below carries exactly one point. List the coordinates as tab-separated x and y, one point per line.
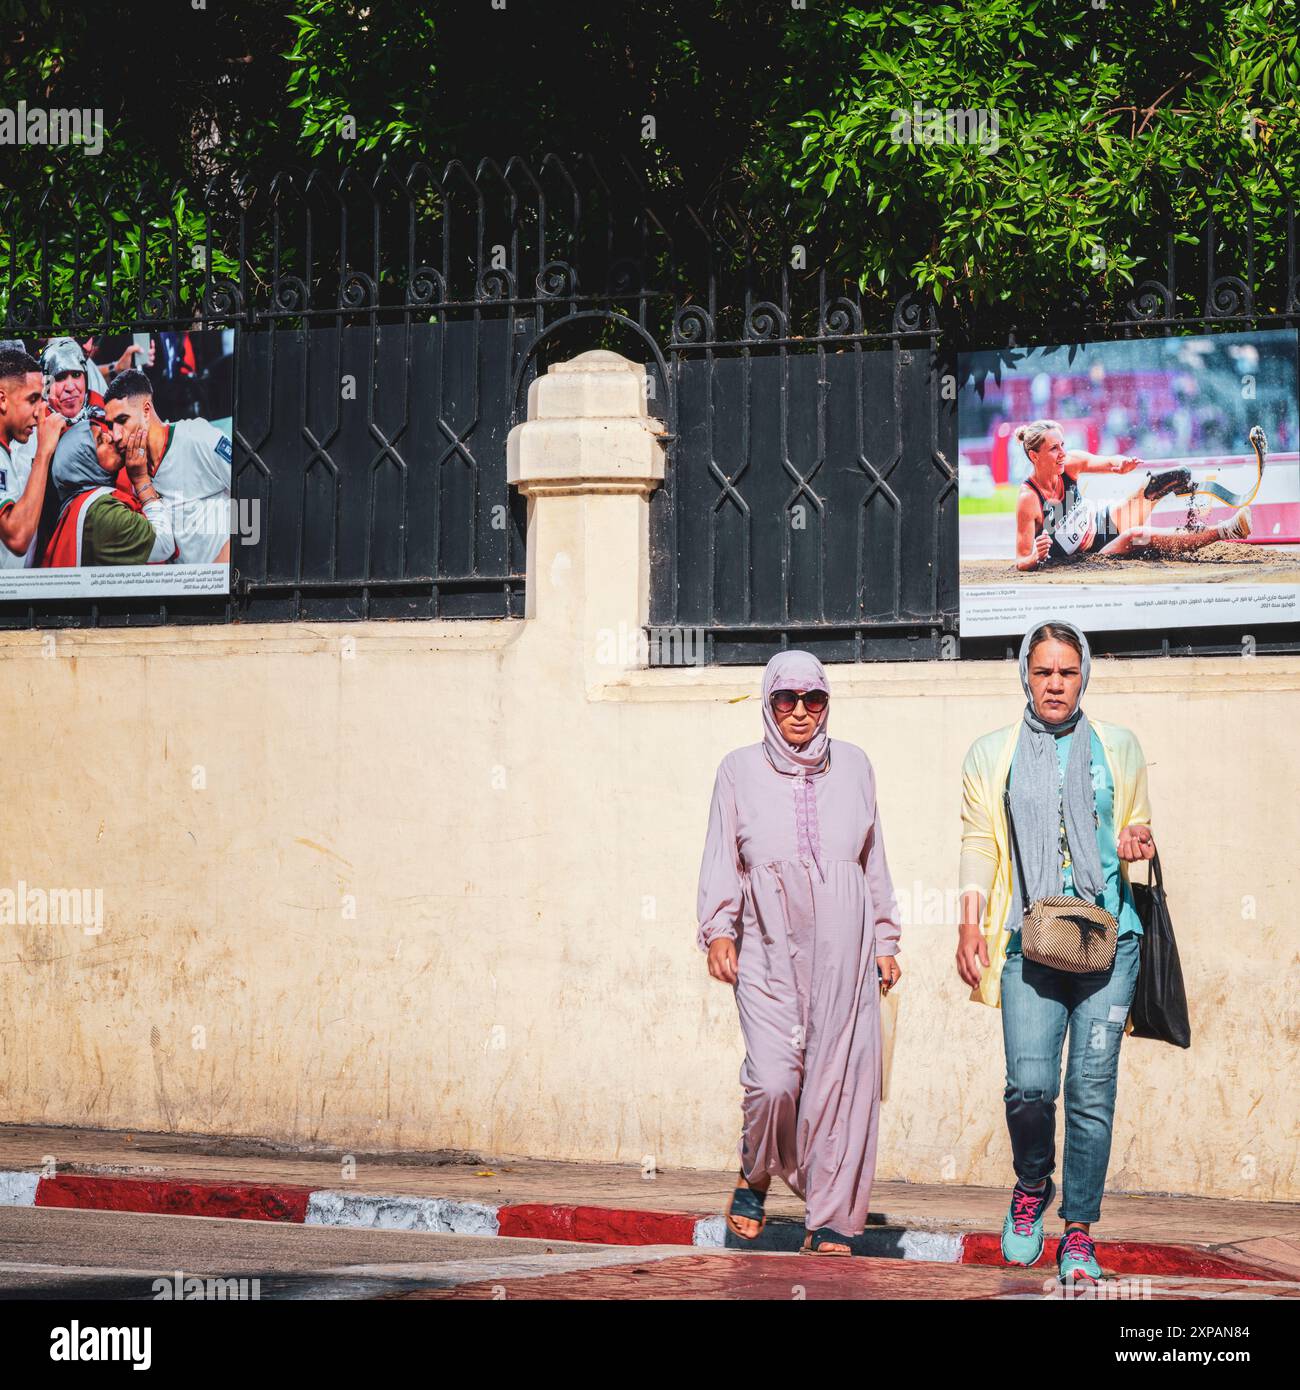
1042	544
972	955
1121	464
890	972
722	960
1136	842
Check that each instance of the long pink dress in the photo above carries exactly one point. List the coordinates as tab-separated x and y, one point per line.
808	992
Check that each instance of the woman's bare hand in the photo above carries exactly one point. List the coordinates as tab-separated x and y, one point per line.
972	955
722	960
1136	842
890	972
1042	544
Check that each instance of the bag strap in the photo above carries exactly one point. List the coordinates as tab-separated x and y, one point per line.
1155	879
1015	846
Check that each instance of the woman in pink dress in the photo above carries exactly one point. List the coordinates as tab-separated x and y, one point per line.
796	911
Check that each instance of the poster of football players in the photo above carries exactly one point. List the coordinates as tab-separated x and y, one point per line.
115	464
1150	483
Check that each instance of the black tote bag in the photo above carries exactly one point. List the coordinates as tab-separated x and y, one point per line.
1160	1001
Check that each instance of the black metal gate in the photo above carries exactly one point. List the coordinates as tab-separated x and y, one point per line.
375	457
812	500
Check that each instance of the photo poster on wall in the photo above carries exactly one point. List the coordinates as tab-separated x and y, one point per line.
1144	484
137	489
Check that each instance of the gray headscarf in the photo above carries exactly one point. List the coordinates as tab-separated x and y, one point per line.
63	355
66	355
76	465
1038	796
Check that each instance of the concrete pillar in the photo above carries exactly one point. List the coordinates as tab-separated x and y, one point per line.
588	458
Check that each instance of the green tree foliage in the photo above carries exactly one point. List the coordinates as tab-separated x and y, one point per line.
179	92
1118	123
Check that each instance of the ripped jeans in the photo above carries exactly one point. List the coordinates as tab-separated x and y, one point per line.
1039	1006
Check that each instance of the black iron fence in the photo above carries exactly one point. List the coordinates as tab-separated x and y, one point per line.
389	327
812	498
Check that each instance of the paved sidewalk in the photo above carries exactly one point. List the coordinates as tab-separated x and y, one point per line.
542	1196
813	1277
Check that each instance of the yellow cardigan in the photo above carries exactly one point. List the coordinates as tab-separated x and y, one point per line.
985	853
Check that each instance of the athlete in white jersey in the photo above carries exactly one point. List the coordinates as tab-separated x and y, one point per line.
29	433
190	465
15	469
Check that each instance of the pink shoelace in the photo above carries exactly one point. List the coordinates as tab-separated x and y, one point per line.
1078	1244
1025	1207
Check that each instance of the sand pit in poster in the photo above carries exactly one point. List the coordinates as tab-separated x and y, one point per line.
1120	483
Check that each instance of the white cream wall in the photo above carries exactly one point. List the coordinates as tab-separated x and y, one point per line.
1219	1119
406	919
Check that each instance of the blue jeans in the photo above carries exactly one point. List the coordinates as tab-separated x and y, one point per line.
1039	1006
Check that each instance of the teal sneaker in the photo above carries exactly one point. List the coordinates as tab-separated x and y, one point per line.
1022	1231
1076	1258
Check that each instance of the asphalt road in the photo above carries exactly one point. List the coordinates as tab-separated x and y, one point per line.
48	1253
52	1254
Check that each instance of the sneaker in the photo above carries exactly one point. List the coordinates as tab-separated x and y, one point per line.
1162	484
1022	1231
1237	529
1076	1258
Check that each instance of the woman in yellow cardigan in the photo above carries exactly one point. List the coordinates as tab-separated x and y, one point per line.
1079	801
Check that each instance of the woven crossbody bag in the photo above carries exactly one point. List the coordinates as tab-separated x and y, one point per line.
1063	932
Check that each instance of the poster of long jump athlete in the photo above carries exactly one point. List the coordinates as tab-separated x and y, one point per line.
1127	485
115	457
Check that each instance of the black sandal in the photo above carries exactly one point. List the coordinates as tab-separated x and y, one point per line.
747	1203
824	1235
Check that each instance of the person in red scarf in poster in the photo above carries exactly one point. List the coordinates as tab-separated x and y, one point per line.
110	513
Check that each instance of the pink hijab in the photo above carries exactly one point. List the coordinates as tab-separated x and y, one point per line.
795	670
798	670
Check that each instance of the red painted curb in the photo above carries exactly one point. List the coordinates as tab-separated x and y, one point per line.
1125	1257
241	1201
601	1225
536	1221
589	1224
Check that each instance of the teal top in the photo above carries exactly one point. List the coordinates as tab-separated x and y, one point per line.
1116	897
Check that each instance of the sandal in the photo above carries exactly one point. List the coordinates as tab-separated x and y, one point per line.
747	1202
825	1235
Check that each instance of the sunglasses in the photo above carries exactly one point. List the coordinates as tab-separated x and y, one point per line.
784	701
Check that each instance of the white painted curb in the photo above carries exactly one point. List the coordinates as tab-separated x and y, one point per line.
940	1247
18	1189
438	1215
711	1231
